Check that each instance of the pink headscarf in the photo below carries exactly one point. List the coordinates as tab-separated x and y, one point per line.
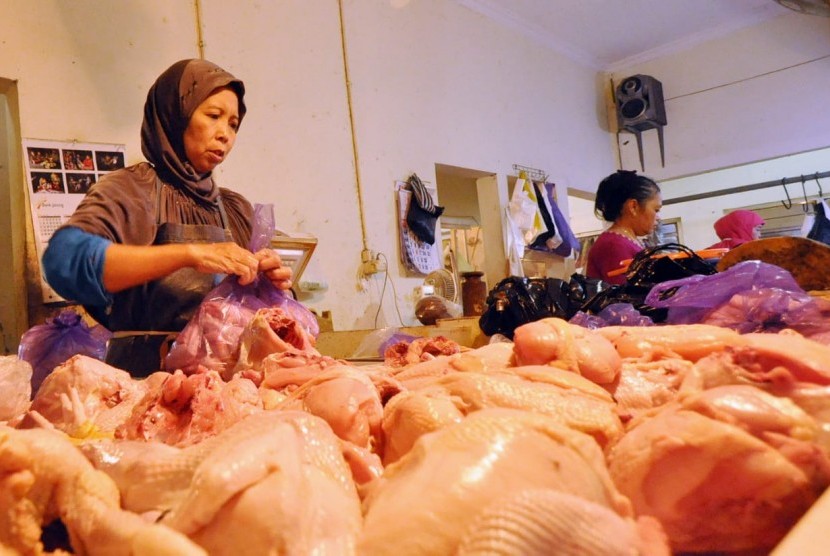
736	228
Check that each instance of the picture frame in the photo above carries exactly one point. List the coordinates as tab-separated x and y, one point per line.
295	253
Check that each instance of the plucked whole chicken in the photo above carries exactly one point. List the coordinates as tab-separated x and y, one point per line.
620	441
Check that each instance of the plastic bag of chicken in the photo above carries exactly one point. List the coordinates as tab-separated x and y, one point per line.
211	339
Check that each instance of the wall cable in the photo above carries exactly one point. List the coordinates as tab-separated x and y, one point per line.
352	125
383	291
200	38
750	78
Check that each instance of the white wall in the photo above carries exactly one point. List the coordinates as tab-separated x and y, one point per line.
698	217
757	94
742	109
432	82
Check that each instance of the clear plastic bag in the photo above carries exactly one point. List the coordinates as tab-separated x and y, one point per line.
45	346
375	344
211	338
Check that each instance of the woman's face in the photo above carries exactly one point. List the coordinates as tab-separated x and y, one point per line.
756	231
211	132
647	215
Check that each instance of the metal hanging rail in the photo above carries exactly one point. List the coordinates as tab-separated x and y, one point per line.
533	174
751	187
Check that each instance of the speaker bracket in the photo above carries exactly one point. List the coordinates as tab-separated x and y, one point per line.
638	133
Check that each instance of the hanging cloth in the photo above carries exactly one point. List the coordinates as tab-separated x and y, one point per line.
423	213
557	237
820	230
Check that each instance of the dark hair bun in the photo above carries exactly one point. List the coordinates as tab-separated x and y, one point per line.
619	187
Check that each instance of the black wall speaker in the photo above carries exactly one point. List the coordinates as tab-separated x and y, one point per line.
640	103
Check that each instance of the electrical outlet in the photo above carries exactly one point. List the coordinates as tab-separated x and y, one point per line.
373	266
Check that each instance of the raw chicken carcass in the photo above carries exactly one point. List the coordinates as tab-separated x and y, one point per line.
350	400
573	401
492	357
715	484
645	385
86	397
404	354
16	385
685	341
271	330
806	360
274	483
181	410
535	522
426	502
781	359
44	477
571	347
288	370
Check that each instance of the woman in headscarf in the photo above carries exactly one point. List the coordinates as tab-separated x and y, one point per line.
736	228
148	241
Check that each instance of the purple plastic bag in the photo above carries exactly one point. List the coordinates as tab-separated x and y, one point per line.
615	314
759	310
690	299
45	346
211	338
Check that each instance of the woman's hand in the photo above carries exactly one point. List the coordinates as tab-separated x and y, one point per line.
271	265
225	258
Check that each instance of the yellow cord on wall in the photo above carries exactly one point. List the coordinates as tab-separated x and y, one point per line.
200	40
352	127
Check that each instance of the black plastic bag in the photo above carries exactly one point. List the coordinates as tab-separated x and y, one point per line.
650	267
656	264
517	300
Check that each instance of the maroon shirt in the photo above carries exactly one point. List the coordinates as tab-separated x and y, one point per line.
606	254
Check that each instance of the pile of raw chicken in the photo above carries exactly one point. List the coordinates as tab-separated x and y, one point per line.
615	441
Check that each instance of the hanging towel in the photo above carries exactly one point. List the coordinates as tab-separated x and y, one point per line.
558	237
423	213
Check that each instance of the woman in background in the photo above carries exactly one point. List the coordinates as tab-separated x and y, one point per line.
631	203
736	228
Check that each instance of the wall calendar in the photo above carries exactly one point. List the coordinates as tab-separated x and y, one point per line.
58	175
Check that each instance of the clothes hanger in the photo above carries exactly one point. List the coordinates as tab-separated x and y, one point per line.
818	183
789	203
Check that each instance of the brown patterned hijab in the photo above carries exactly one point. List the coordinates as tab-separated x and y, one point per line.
170	102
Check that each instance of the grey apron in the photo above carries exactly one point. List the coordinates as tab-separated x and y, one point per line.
146	319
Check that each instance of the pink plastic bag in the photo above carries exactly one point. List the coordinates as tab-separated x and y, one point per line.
211	338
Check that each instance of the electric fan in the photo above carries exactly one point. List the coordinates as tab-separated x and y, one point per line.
444	284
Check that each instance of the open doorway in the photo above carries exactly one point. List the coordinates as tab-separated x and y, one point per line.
471	226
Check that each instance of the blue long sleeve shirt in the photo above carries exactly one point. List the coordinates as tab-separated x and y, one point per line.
73	265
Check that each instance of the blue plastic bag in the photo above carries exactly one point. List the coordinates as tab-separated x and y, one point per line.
45	346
